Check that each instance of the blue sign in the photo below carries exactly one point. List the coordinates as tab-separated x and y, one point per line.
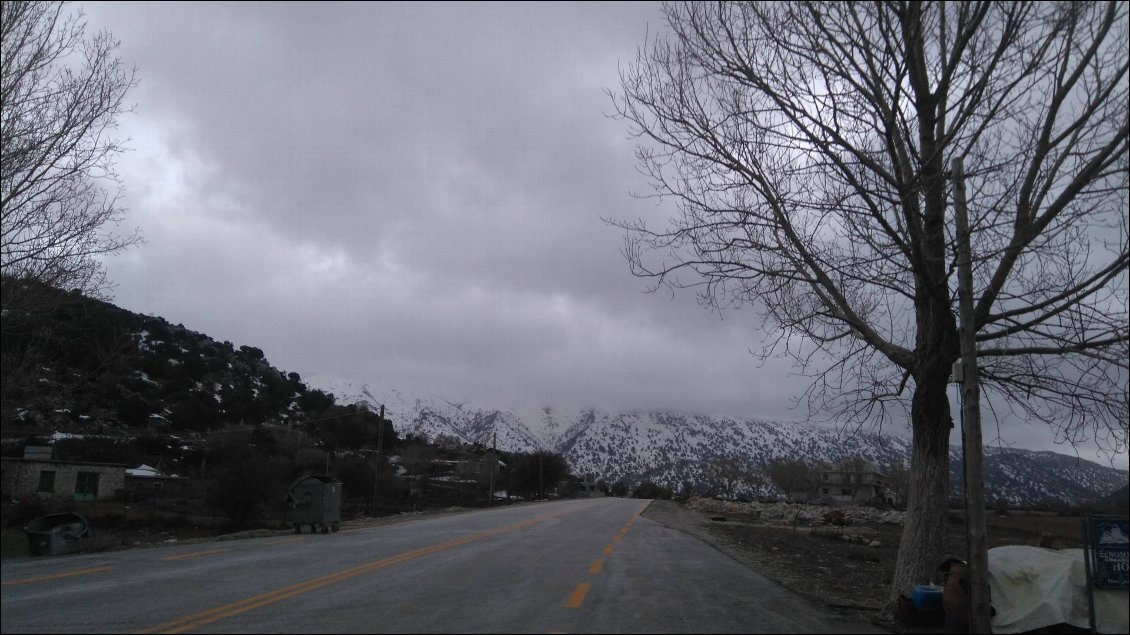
1110	549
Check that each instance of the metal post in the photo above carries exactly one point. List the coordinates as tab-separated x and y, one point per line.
980	617
493	465
380	447
1087	547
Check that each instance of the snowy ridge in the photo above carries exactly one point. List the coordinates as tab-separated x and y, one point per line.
674	449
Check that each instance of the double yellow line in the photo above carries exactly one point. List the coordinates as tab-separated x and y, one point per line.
196	620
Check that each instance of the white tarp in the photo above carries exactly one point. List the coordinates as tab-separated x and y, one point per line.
1033	588
142	470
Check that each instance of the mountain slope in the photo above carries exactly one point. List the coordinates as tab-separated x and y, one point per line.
674	449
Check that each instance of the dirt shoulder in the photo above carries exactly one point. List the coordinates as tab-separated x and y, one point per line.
845	568
844	575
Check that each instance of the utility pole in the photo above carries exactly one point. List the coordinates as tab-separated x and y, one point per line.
493	465
980	618
380	447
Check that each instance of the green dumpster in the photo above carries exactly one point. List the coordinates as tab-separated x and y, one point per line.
315	501
56	534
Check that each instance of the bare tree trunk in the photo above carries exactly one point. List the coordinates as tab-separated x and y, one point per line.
924	535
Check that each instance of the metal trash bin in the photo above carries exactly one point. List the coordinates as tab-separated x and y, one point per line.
315	501
56	534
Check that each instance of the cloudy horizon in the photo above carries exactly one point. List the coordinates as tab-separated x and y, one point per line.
416	196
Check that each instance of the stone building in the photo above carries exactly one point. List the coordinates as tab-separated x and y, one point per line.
39	476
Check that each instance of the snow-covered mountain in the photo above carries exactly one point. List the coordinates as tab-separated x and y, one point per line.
672	449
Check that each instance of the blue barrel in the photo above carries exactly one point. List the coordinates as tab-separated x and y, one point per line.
927	597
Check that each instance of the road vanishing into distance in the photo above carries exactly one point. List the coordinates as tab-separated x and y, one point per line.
577	566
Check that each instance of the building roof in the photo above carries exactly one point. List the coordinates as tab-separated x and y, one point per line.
59	462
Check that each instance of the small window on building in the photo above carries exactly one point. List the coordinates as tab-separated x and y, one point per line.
824	477
46	481
845	491
86	486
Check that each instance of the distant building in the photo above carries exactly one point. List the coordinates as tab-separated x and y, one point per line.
145	482
39	476
853	486
587	486
476	469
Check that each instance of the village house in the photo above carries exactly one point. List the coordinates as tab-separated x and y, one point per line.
145	482
37	475
853	486
466	469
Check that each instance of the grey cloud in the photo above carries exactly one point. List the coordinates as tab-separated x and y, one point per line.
411	194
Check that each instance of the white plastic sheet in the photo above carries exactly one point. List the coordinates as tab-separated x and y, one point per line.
1033	588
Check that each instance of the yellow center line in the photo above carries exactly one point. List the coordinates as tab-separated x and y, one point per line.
56	576
577	598
196	620
196	554
287	540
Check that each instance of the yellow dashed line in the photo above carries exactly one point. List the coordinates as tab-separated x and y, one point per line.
196	554
197	620
287	540
577	598
597	566
609	549
56	576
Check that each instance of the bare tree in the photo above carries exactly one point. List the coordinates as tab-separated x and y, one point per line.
731	477
898	482
61	96
807	147
792	476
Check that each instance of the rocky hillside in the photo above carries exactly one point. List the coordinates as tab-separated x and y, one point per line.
86	366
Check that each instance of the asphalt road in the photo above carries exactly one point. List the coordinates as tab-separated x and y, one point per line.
579	566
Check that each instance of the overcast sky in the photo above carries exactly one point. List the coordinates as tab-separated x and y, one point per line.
411	196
